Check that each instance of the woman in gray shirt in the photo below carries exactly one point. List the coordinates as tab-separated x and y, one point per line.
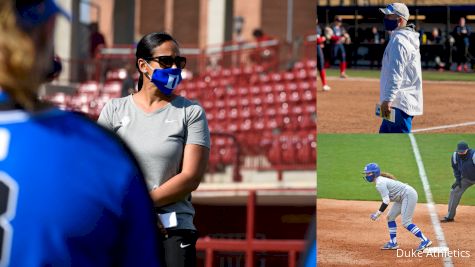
170	138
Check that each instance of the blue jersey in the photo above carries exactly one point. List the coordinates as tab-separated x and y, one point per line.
70	195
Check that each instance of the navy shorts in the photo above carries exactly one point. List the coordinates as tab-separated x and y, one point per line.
402	124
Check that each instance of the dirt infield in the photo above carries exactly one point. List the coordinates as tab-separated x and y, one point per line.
346	236
349	106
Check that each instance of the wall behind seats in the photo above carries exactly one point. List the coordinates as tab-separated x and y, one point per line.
186	21
151	17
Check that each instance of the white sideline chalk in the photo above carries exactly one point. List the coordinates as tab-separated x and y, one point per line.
436	250
430	202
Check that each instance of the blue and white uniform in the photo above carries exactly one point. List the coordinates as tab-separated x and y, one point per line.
405	199
71	195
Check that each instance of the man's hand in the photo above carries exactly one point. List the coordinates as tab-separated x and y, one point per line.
457	183
386	108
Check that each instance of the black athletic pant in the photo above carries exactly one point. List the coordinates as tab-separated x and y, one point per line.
179	249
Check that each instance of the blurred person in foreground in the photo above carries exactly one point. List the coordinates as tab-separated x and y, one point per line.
170	137
401	75
71	194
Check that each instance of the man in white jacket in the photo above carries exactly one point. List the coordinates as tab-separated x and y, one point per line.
401	78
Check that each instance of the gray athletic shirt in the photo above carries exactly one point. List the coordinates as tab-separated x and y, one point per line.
391	188
158	140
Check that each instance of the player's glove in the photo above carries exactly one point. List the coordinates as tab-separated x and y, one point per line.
457	183
375	215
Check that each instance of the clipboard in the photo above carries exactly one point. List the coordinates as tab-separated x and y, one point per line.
391	117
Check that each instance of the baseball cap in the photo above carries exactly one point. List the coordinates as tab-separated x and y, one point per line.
399	9
461	147
34	12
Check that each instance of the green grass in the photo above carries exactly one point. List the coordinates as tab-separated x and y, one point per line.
342	157
426	75
436	151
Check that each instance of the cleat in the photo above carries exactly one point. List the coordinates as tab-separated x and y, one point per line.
326	88
343	75
424	244
390	246
446	220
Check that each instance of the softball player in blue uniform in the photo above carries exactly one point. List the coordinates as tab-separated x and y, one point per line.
405	200
70	193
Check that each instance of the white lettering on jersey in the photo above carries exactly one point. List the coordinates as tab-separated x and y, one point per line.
4	143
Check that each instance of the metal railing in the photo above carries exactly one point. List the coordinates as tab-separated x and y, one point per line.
250	244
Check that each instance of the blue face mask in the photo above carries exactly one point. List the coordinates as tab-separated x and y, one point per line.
166	80
389	24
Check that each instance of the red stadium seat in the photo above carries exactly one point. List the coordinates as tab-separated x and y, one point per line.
207	105
276	77
219	92
60	100
256	100
89	88
267	89
289	77
301	74
243	91
264	78
246	125
233	114
112	88
299	65
311	64
116	74
255	91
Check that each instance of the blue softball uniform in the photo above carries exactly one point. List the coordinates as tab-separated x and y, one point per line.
71	195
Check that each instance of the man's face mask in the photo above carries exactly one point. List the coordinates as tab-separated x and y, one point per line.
390	24
166	80
463	155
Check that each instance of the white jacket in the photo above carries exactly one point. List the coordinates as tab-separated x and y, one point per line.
401	77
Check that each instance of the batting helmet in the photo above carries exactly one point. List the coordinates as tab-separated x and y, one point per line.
371	171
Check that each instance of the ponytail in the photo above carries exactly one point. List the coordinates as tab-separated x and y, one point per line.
388	175
140	83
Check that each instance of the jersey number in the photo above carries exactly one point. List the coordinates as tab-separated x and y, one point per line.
8	200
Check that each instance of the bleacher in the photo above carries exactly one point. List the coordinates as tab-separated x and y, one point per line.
271	114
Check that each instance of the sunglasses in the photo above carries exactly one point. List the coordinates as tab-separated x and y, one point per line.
168	61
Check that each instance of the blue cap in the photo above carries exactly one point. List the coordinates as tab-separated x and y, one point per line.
31	13
461	147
